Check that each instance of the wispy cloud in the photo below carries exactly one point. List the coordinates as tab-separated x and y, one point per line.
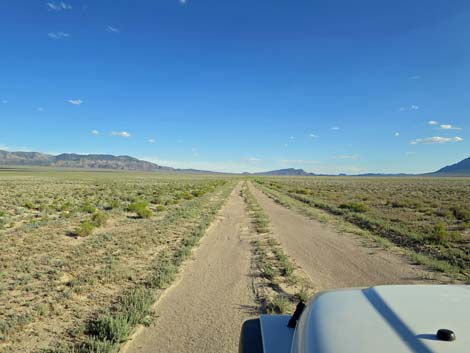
183	1
449	127
412	107
75	101
291	137
58	6
121	133
253	160
151	140
435	140
415	77
313	136
40	109
58	35
297	161
432	122
347	156
95	132
335	128
396	134
112	29
3	100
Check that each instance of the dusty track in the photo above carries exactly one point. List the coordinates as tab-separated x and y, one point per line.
334	260
204	311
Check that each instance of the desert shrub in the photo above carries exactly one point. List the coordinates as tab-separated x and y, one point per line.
140	208
277	305
442	212
111	205
441	235
164	276
29	205
84	229
186	196
197	193
268	271
99	219
354	206
109	328
160	208
460	213
88	208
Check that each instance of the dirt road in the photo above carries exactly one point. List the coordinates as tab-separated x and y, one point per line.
334	260
204	311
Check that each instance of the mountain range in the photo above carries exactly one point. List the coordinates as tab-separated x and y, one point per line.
111	162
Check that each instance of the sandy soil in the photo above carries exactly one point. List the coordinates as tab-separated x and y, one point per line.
204	310
334	260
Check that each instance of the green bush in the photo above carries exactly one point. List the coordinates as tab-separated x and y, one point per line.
160	208
99	219
88	208
109	328
29	205
85	229
461	214
141	208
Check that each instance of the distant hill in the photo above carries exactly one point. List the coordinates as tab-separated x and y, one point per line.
461	168
287	172
108	161
72	160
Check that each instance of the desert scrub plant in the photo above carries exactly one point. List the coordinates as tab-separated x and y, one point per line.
277	305
141	209
115	326
84	229
99	219
88	208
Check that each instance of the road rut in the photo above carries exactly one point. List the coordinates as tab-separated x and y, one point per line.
204	311
331	259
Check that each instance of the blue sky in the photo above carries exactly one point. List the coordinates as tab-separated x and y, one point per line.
246	85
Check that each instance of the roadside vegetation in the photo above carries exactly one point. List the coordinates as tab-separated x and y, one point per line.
427	217
282	283
89	253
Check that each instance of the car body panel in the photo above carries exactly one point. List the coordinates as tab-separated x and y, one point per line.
385	319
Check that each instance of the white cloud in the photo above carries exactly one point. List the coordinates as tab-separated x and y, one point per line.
95	132
449	127
253	160
58	35
121	133
415	77
432	122
112	29
436	139
4	101
347	156
183	1
291	137
151	140
59	6
335	128
40	109
75	101
410	107
396	134
313	136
